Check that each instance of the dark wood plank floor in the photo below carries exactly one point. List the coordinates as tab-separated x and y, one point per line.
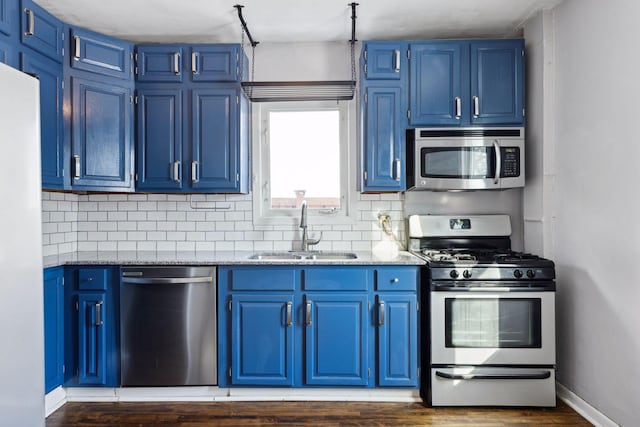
187	414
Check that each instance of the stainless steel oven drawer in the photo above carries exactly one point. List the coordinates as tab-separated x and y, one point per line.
487	386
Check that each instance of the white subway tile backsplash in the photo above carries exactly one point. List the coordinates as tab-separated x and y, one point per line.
169	222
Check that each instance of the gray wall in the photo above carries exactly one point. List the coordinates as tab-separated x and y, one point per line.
591	200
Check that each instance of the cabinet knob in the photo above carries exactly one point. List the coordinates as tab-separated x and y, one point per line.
395	280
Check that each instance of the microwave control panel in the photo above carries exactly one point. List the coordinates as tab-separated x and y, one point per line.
510	162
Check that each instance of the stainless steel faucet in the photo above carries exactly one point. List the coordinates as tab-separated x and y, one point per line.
306	242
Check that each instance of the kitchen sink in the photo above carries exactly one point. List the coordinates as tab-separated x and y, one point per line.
275	256
294	256
332	256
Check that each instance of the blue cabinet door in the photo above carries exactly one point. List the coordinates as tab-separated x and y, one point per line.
262	339
101	135
8	17
497	82
100	54
8	52
384	60
159	139
215	63
41	31
160	63
384	139
336	338
92	338
438	95
215	142
397	320
49	73
53	328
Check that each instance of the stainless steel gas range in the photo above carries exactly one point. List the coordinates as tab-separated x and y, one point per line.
491	316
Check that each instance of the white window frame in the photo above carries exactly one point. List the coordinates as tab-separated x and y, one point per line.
263	214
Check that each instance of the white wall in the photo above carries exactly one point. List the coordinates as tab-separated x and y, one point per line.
596	237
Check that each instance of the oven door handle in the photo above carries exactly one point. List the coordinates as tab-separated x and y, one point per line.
542	375
450	288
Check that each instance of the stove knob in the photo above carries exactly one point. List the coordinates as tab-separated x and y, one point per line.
531	274
454	274
466	274
517	274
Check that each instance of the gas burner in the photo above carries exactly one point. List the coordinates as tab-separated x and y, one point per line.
515	257
437	255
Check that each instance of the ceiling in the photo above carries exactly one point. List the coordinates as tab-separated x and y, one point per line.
216	21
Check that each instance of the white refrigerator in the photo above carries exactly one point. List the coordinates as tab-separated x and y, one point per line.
21	292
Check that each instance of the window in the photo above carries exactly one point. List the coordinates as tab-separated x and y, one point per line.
303	154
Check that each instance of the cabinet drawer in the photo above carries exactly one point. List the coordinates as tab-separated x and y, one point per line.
273	279
99	54
335	279
396	279
91	279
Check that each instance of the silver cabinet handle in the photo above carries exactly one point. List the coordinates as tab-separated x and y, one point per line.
194	63
76	167
176	63
289	320
194	171
458	104
476	106
395	280
176	171
76	50
496	147
396	169
396	60
381	313
309	312
31	28
99	313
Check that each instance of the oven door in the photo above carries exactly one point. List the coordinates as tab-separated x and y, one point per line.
469	164
492	327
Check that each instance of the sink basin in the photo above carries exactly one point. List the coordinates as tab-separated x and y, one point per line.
275	256
303	256
331	256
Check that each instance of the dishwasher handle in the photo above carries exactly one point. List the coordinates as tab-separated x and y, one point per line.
166	280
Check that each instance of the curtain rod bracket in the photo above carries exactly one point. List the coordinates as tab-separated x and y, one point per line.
244	25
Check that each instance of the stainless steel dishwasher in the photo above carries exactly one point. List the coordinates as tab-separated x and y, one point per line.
168	326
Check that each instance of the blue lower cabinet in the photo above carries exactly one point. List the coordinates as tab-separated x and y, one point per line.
397	325
262	339
53	328
92	339
92	356
336	339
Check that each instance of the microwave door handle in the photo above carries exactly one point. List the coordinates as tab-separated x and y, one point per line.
496	147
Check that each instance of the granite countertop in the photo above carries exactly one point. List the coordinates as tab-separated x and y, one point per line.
216	258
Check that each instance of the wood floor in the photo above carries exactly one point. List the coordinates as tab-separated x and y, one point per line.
315	414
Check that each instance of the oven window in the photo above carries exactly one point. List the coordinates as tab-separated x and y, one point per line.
493	323
458	162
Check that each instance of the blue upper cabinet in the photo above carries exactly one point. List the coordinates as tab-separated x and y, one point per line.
183	63
49	73
497	82
159	139
160	63
384	135
53	328
9	17
215	162
467	83
101	54
215	63
437	88
384	60
101	135
41	31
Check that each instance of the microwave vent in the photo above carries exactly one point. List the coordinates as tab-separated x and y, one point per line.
440	133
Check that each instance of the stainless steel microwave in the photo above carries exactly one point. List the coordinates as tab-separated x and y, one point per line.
465	158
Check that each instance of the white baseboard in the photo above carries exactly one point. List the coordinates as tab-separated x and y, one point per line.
583	408
54	400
